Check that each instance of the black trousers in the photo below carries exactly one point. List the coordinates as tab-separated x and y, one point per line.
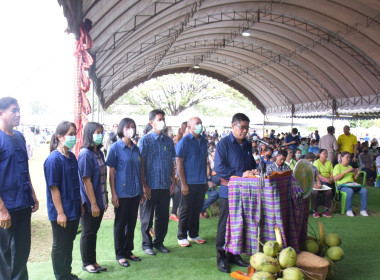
90	227
62	251
158	207
176	199
189	209
223	215
124	226
15	246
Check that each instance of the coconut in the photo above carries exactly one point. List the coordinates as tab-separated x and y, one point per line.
311	246
271	248
287	257
261	262
262	275
333	239
335	253
292	273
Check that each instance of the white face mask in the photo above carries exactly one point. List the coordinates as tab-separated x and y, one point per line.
129	133
160	126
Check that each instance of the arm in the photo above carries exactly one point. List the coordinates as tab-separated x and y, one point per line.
91	196
172	186
36	202
182	176
56	196
341	175
146	188
5	217
114	199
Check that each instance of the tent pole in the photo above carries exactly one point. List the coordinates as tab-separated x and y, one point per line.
92	102
293	109
263	126
98	109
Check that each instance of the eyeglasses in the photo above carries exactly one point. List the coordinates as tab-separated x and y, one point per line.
242	127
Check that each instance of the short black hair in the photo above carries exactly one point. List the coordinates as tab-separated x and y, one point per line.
154	113
295	130
267	149
330	129
309	155
61	129
6	102
123	123
282	153
147	128
344	154
88	138
240	117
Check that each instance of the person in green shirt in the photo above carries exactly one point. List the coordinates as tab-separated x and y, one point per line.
344	173
289	159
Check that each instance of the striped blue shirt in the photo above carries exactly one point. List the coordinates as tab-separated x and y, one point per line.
158	154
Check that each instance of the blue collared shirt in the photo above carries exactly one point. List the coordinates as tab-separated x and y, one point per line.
158	153
62	172
232	159
15	186
194	153
290	138
127	164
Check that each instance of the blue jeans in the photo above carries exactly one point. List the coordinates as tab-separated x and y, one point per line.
350	195
213	195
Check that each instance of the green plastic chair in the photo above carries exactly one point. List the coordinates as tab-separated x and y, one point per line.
208	209
364	181
343	199
377	176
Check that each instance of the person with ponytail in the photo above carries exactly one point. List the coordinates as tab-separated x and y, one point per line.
93	188
125	180
63	198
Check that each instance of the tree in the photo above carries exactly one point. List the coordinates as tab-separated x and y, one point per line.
177	93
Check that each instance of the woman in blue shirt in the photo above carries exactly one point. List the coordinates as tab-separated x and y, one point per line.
126	187
63	198
93	189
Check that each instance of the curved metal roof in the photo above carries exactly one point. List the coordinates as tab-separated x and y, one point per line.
301	56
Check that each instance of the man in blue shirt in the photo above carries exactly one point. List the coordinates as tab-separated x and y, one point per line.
233	157
17	197
157	153
192	170
291	140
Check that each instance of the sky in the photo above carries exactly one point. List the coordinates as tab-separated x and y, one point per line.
37	59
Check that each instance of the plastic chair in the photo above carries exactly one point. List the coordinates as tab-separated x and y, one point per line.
364	182
208	209
343	199
377	176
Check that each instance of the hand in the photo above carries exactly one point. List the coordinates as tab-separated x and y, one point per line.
36	205
5	219
317	187
349	170
211	184
62	220
81	210
185	189
248	173
354	159
95	210
172	188
142	200
115	201
147	192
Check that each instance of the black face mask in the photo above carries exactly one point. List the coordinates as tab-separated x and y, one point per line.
268	156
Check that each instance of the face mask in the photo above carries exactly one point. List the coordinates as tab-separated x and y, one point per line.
268	156
294	135
257	157
160	126
98	139
365	152
198	129
129	133
298	155
70	141
303	142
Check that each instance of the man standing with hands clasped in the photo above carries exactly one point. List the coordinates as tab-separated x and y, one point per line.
192	169
157	152
17	197
233	157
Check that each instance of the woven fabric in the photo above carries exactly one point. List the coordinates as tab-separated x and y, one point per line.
82	84
282	206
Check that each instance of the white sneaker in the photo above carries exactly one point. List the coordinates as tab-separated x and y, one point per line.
350	214
364	213
183	242
197	240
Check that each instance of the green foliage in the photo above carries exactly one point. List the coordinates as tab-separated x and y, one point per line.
364	123
177	93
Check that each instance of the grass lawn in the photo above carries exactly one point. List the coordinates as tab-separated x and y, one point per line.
361	243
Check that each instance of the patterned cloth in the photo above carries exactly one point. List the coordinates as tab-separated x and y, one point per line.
282	205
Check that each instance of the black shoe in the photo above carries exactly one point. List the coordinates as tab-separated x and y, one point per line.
149	252
124	263
74	277
236	259
101	268
90	270
133	258
162	248
221	261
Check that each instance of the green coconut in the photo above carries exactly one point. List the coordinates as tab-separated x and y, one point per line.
262	262
256	260
271	248
311	246
335	253
262	275
333	239
287	257
292	273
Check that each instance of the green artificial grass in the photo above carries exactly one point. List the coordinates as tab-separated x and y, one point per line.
361	244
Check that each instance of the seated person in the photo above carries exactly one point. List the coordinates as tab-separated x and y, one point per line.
367	165
314	148
326	195
279	165
289	159
344	173
325	169
266	159
298	155
303	147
